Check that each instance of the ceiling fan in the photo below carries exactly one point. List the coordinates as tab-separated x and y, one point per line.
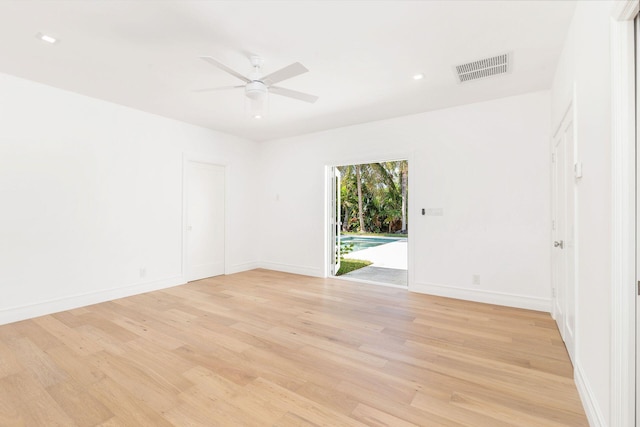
256	85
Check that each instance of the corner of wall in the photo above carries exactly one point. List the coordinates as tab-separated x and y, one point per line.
15	314
244	266
293	269
591	408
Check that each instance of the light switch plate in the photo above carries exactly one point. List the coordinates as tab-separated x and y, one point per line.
435	212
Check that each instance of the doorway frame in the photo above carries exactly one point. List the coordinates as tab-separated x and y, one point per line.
623	257
392	157
210	160
571	157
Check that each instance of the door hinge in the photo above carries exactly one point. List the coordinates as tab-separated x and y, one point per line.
577	170
553	292
553	157
553	224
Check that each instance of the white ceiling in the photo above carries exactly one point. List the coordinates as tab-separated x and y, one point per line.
361	55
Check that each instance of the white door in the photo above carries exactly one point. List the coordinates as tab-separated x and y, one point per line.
563	232
335	220
205	220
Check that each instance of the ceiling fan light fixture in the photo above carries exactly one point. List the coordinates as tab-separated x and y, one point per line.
257	108
255	90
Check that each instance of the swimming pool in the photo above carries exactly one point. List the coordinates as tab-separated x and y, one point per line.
363	242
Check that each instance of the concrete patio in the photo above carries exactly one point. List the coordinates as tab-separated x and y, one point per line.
389	264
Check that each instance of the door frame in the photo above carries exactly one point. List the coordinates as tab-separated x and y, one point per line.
623	257
335	218
409	157
570	223
214	161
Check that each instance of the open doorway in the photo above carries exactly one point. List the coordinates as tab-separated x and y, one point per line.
369	222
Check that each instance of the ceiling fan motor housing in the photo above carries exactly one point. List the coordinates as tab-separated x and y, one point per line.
255	89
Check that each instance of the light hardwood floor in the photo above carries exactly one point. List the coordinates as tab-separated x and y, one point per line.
263	348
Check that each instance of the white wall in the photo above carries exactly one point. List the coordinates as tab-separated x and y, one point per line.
92	191
486	165
585	65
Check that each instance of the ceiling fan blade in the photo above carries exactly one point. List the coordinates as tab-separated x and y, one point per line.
223	67
293	94
287	72
212	89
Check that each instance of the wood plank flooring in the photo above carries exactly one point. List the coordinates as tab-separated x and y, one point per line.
263	348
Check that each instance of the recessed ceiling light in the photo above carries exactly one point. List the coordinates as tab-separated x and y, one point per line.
47	38
257	116
418	76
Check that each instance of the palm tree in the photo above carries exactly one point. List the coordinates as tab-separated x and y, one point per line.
360	211
374	197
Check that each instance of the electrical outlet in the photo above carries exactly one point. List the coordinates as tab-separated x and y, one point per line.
475	279
143	271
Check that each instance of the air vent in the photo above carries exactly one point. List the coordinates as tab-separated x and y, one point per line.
483	68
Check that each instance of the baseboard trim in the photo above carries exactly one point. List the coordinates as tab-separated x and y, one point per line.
489	297
243	266
294	269
15	314
591	408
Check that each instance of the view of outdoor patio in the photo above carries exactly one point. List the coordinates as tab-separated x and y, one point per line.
374	224
388	263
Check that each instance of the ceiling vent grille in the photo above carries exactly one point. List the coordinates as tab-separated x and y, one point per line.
483	68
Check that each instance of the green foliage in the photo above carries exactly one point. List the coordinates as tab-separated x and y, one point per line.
349	265
345	248
383	185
